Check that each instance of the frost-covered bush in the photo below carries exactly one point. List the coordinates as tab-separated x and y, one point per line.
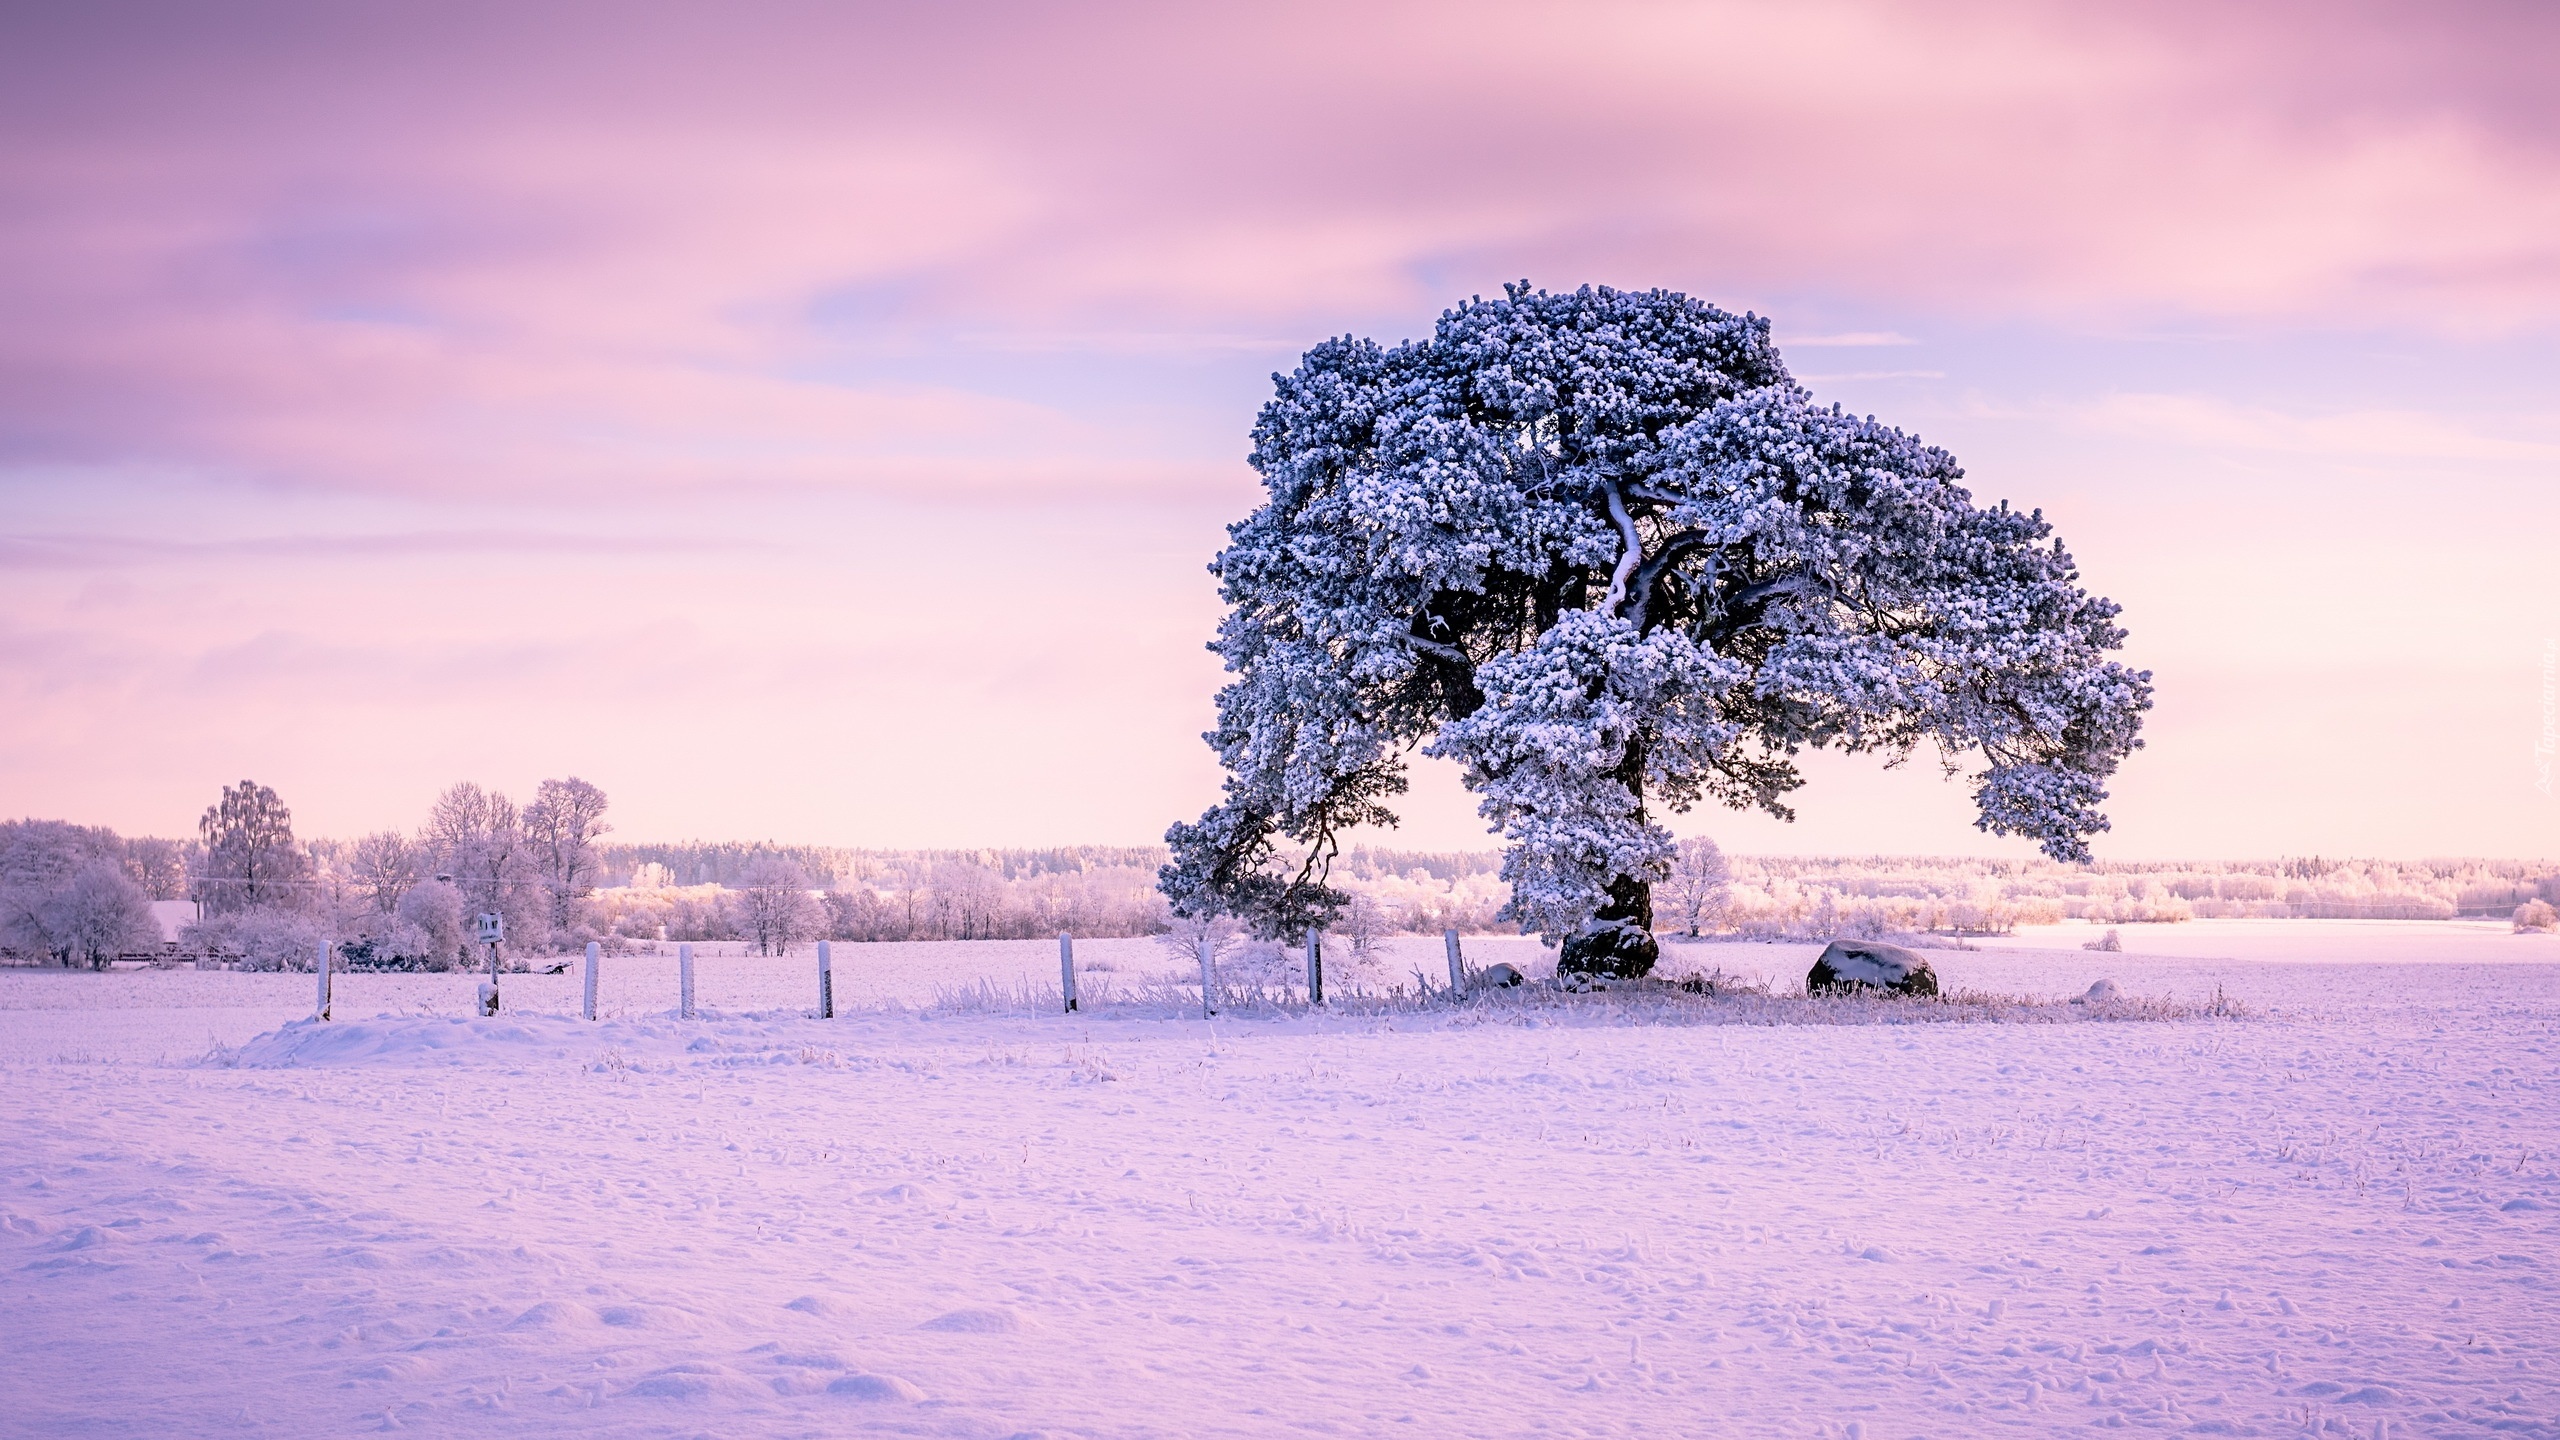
1604	553
263	937
1181	941
432	913
1263	965
390	943
2536	915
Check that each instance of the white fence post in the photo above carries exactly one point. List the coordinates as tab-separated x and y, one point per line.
1315	968
1457	963
826	981
1208	976
684	982
320	1007
588	1008
1067	969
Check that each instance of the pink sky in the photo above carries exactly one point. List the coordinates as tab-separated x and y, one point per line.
809	422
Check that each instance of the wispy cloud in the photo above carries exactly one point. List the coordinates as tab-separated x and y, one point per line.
66	551
1125	342
2395	436
1849	339
1880	375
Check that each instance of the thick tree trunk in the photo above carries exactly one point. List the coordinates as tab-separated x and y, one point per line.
1631	897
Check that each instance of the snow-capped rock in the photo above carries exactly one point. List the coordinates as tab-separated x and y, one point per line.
1871	965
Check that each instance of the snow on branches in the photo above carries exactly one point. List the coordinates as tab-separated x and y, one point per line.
1603	552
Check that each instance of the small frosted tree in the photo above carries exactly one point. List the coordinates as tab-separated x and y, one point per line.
1700	884
1604	553
385	866
160	866
775	908
563	824
100	913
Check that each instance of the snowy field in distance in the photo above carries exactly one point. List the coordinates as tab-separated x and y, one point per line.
2338	1217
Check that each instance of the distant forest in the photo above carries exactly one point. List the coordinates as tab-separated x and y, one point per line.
73	894
1000	893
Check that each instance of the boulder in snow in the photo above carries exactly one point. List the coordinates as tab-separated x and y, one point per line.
1617	949
1871	965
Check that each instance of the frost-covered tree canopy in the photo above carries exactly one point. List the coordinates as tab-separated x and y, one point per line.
1603	552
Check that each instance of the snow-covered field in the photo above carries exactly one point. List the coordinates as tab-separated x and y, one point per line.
2340	1215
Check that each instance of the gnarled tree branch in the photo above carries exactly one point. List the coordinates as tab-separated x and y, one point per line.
1628	558
1654	569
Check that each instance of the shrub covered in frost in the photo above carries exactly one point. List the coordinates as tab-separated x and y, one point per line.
264	937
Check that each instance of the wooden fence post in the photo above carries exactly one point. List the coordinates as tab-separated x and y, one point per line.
1457	963
1067	969
1208	976
593	952
684	982
1315	968
320	1008
826	981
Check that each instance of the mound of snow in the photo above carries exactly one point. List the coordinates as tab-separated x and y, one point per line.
986	1320
396	1038
555	1315
696	1381
866	1386
521	1037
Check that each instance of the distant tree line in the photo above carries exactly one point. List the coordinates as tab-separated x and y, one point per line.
81	895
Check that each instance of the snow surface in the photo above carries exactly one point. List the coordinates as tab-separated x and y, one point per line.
2338	1216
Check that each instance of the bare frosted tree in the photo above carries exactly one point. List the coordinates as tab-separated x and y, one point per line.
161	866
775	907
100	914
385	865
1364	924
477	837
1700	885
563	824
1182	938
250	856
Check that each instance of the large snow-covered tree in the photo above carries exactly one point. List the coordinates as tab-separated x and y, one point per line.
250	857
1599	549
